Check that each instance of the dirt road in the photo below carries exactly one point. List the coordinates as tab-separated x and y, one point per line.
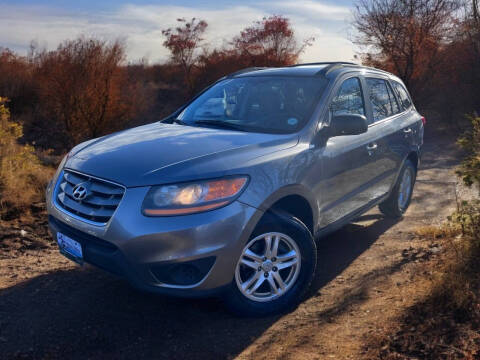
368	272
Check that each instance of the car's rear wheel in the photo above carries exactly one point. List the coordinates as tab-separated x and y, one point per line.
274	269
401	195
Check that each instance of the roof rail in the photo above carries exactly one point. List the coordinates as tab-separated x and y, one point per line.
246	70
325	63
334	66
378	70
331	65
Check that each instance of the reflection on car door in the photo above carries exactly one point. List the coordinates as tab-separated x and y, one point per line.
407	130
394	125
348	162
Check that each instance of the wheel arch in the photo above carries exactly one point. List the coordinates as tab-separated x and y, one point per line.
414	158
296	201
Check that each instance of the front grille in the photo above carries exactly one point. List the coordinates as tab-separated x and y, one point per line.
99	204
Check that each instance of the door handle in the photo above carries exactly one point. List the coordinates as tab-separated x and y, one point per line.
371	148
407	130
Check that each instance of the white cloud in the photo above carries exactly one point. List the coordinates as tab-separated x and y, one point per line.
315	9
141	26
223	23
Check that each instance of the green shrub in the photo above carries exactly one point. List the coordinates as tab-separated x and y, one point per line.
470	142
468	218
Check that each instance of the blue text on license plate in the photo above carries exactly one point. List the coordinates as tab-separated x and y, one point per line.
70	247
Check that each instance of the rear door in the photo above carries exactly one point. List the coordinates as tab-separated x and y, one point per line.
385	116
394	124
411	125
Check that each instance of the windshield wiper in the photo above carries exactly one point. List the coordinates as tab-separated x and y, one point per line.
180	122
220	124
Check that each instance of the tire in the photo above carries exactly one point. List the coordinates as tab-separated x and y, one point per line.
398	201
293	237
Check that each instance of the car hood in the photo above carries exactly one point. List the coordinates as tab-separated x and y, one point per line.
162	153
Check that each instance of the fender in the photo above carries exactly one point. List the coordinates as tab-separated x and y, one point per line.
294	189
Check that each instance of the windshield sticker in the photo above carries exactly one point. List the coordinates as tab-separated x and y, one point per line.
292	121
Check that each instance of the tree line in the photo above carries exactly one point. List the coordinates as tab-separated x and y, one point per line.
432	45
86	88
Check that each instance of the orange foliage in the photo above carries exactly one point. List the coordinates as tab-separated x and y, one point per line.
183	43
270	42
85	89
83	86
432	45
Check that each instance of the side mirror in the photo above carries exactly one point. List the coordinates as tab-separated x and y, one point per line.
349	124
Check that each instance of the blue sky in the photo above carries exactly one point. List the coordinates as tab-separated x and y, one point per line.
139	23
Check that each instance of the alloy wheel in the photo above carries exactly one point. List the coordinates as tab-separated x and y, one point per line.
268	267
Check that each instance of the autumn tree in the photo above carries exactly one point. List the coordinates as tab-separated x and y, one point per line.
184	42
16	80
216	63
471	35
84	89
405	36
270	42
472	24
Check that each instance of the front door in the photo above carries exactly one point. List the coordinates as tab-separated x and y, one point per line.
348	162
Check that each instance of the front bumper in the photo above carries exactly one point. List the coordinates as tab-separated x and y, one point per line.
148	251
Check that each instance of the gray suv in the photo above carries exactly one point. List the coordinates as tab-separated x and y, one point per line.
229	193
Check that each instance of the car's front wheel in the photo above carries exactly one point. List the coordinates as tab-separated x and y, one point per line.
274	269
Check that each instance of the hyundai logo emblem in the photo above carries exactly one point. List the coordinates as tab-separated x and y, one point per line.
80	191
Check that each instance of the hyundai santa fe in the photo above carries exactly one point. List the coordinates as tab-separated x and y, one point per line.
229	193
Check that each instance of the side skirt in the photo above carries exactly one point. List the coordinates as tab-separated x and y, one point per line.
348	218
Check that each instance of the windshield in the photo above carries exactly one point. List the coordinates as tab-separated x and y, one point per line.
256	104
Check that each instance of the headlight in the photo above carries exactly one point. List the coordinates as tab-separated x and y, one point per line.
57	173
194	197
60	167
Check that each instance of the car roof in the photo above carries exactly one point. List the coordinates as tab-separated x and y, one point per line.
330	69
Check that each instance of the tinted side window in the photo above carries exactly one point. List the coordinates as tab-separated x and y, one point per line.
379	96
393	100
402	94
349	99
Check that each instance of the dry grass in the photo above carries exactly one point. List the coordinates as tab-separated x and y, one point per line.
446	325
432	232
22	176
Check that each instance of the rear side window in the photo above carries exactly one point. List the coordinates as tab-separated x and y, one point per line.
393	100
402	94
381	97
349	99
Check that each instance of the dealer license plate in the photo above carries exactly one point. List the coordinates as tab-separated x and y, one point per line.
70	248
